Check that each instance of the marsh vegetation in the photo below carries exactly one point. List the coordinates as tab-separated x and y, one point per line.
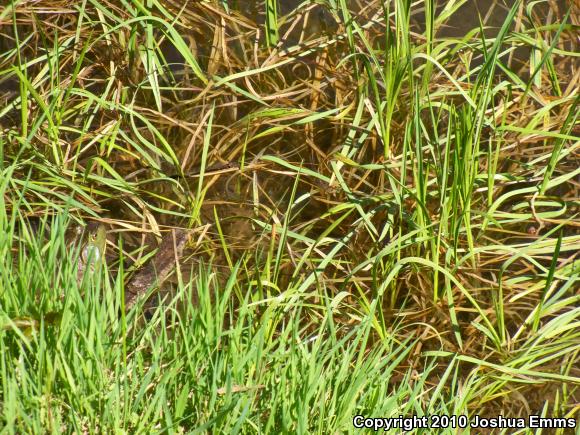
380	197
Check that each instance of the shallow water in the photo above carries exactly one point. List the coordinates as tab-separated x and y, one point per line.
491	12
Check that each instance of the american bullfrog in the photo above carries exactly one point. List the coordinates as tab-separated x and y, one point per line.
93	241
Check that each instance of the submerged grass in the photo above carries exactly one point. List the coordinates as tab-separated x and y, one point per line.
384	213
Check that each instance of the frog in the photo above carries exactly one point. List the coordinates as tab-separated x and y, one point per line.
92	241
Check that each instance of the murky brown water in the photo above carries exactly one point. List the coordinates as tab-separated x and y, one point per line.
492	13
